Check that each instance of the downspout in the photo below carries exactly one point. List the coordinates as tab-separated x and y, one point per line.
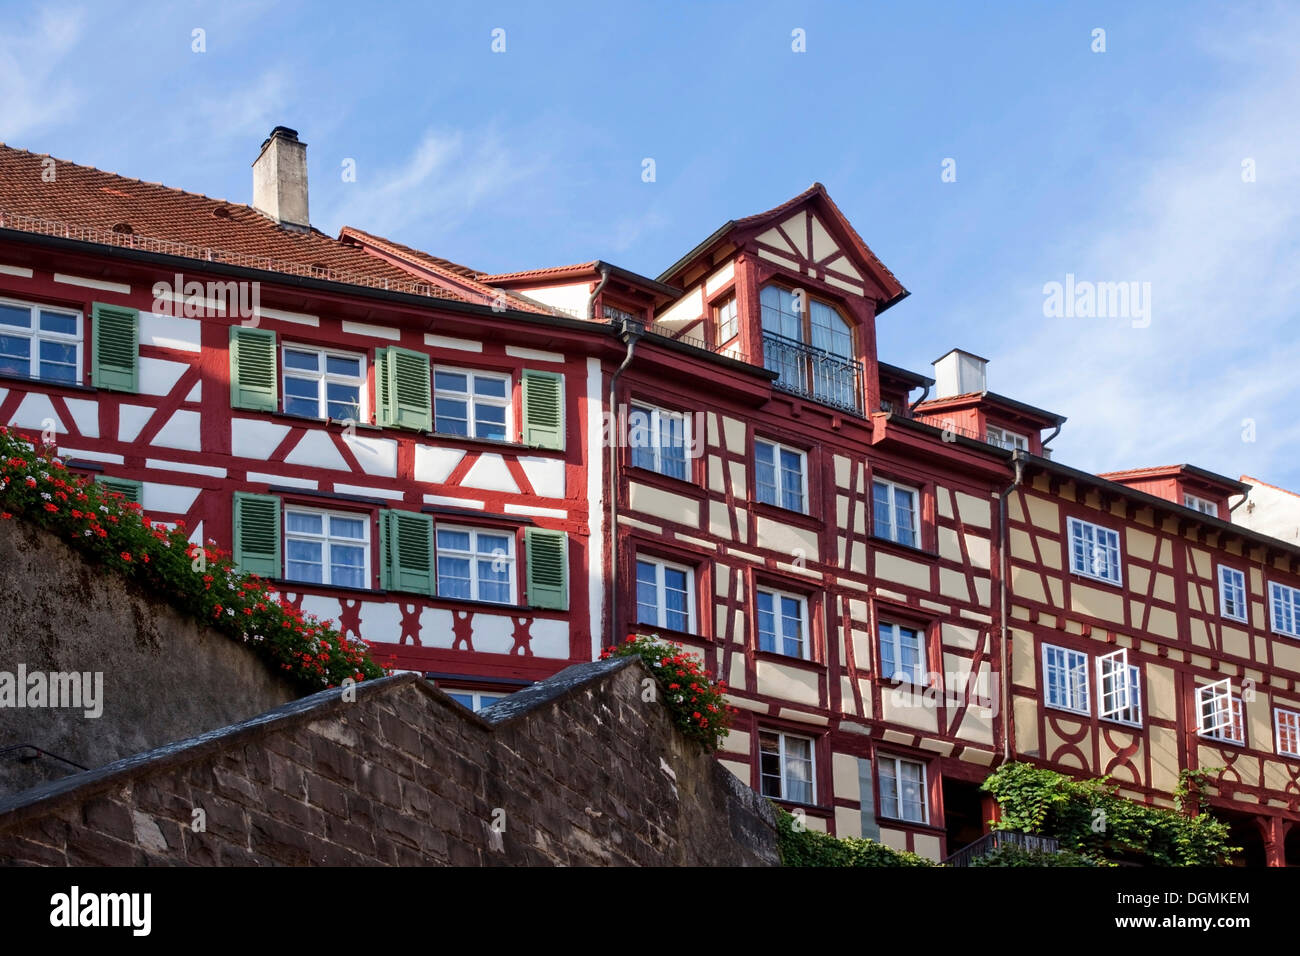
1047	441
924	395
1003	548
595	293
629	333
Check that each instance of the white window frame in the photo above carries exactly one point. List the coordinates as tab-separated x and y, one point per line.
1074	667
474	558
1203	505
1219	711
782	737
471	400
1238	586
1291	597
896	812
322	378
727	316
36	336
805	623
661	603
1122	704
777	449
475	696
894	487
1076	529
1005	438
1283	715
327	542
656	447
919	679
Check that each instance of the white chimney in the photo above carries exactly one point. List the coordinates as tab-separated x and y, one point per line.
280	179
959	373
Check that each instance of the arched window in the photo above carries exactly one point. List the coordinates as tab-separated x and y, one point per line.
811	345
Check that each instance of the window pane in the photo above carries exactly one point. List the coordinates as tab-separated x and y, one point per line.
453	540
347	566
647	594
343	365
347	527
453	576
494	581
304	521
882	514
766	622
59	323
18	316
344	400
451	381
303	360
492	387
451	416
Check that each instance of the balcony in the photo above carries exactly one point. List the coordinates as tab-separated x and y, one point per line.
813	373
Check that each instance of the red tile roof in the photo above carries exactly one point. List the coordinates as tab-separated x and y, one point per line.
554	272
91	205
1150	472
469	282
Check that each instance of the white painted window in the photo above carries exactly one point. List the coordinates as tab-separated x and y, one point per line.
1232	593
473	699
1066	675
1285	602
659	440
728	324
785	766
902	653
665	595
903	793
472	404
322	383
475	564
40	342
1119	688
781	474
1094	551
1006	439
783	623
1201	504
896	512
1220	712
327	547
1287	724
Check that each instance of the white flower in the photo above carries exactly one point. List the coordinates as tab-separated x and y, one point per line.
46	495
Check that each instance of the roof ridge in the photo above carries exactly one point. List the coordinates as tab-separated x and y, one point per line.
132	179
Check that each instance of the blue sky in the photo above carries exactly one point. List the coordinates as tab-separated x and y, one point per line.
1122	166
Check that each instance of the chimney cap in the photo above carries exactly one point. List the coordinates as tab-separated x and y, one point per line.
281	132
960	352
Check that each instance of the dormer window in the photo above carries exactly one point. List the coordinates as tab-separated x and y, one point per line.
1005	439
810	345
1203	505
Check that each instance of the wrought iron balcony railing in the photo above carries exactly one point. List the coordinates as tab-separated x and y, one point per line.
990	842
814	373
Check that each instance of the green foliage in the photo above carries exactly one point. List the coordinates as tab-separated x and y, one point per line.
1012	855
1089	817
199	580
804	847
696	701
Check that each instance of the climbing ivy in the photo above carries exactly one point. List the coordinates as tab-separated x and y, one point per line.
1088	817
801	846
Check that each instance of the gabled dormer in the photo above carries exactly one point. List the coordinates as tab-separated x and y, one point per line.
794	289
1187	485
964	405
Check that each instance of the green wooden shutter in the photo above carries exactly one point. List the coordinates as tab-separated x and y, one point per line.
253	378
543	402
385	556
128	489
383	409
548	569
405	395
407	542
257	534
115	362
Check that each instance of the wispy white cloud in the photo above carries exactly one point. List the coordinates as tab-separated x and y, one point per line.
37	91
1221	255
449	177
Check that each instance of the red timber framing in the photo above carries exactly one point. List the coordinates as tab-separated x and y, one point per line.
180	437
853	601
